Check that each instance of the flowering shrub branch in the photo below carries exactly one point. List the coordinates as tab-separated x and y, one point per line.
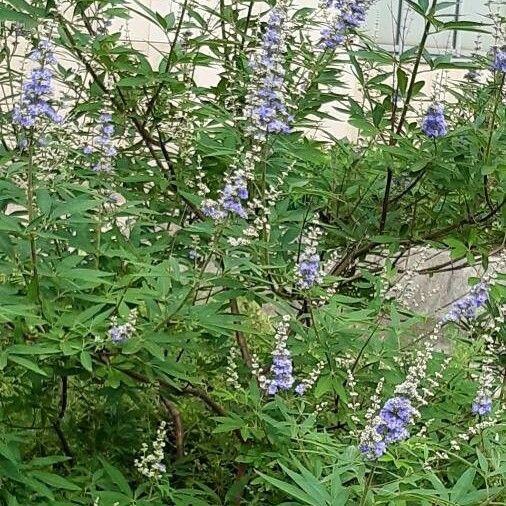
211	297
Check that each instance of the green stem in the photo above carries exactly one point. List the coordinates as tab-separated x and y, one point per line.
328	355
414	74
488	149
367	487
246	25
493	118
31	214
99	239
402	119
503	386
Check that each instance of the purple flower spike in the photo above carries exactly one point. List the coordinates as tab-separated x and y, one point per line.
345	15
390	426
103	145
500	61
482	405
37	90
467	306
267	110
434	124
282	367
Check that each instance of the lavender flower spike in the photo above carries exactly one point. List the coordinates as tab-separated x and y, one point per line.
308	383
37	90
231	197
267	110
104	145
119	334
389	427
482	404
500	61
267	114
308	269
467	306
345	15
281	368
434	124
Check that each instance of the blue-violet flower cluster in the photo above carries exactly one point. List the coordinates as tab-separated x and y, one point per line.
266	111
282	367
37	90
344	15
281	370
119	334
482	404
308	269
389	426
103	145
235	192
500	61
467	306
266	108
434	123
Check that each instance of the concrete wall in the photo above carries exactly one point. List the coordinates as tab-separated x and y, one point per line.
382	21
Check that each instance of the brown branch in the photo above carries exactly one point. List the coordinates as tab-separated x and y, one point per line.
239	336
386	199
178	426
196	392
159	88
348	259
56	423
121	107
466	221
414	73
204	396
410	186
64	397
63	440
402	119
451	265
342	265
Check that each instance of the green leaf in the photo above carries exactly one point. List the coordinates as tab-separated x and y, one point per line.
74	206
86	361
27	364
117	477
33	349
463	485
3	359
134	81
402	80
290	490
55	481
482	460
8	14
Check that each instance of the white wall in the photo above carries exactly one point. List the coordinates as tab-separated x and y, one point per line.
381	23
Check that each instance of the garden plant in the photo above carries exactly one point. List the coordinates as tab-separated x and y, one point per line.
209	297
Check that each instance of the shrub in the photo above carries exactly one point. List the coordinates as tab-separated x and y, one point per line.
205	303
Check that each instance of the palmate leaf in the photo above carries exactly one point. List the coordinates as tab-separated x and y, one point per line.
309	483
463	485
66	388
309	489
291	490
117	477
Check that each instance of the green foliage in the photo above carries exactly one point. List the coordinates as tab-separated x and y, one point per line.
81	250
